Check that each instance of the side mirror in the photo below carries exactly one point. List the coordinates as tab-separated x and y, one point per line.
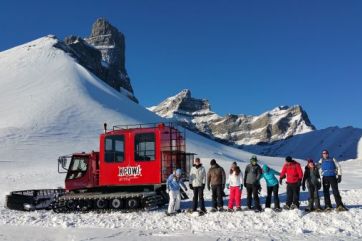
62	161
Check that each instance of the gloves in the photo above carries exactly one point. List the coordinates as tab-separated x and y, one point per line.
281	181
203	187
227	185
303	187
191	187
339	178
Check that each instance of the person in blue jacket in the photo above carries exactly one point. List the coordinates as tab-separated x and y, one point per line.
272	186
173	185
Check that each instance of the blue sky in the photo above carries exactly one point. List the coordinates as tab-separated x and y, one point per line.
245	57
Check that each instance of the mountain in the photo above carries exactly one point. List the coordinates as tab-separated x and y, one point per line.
102	53
52	105
277	124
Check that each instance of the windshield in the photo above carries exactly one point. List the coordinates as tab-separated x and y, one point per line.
78	167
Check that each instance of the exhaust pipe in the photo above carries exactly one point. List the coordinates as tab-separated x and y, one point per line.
105	128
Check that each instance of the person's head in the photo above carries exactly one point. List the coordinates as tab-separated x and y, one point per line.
253	160
197	161
265	168
325	154
213	162
310	163
178	172
288	159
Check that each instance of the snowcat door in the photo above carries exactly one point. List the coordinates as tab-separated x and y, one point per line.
78	176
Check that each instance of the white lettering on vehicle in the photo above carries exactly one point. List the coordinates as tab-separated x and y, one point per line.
132	171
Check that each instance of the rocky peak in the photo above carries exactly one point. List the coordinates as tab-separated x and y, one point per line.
103	53
182	103
280	123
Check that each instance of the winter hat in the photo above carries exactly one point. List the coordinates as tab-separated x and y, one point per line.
289	159
309	161
178	172
265	168
212	162
253	159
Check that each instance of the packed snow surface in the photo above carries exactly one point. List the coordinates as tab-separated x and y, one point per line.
51	106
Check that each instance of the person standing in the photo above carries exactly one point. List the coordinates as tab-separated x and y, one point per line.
173	185
235	185
197	184
312	178
294	174
331	175
272	186
251	181
215	181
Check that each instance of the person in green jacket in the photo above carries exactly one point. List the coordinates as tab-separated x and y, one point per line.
272	186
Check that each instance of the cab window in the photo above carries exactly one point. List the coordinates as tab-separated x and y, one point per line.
114	149
77	168
145	147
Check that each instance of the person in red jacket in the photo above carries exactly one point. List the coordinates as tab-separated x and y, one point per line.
293	171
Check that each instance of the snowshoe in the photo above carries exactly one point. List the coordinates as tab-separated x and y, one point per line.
230	210
170	214
238	209
221	209
308	209
293	206
258	209
341	208
201	213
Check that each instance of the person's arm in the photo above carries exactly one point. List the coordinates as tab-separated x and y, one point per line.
282	173
203	176
275	172
300	172
192	175
223	176
338	166
246	173
208	179
306	174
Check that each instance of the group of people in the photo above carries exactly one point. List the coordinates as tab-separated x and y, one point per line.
327	173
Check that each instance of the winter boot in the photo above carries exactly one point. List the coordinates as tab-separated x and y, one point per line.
238	209
286	207
328	208
230	210
221	209
213	210
341	208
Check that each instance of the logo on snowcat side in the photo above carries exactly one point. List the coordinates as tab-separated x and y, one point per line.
130	171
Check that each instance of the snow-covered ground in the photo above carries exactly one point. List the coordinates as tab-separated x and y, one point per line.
51	106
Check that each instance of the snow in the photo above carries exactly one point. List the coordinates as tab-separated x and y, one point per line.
51	106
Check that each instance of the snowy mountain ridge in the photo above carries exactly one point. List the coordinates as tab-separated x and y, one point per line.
280	123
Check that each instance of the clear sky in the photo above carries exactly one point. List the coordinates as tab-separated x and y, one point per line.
245	57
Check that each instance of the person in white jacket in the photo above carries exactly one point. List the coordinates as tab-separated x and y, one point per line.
197	184
235	184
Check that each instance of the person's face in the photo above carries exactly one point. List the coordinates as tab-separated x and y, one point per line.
311	165
197	162
325	154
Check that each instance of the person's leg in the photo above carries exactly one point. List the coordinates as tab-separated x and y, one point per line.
326	186
231	197
237	197
201	199
249	190
268	196
289	195
177	200
256	196
276	196
295	189
214	196
336	194
220	201
311	190
317	204
172	202
195	199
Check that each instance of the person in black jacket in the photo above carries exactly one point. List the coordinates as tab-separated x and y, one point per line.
312	177
251	181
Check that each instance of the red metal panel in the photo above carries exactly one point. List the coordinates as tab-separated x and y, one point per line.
130	171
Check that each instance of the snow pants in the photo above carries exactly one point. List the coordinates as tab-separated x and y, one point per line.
175	199
198	199
313	201
272	190
293	190
217	200
234	197
252	190
327	183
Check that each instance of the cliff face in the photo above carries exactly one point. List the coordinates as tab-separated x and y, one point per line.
103	53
